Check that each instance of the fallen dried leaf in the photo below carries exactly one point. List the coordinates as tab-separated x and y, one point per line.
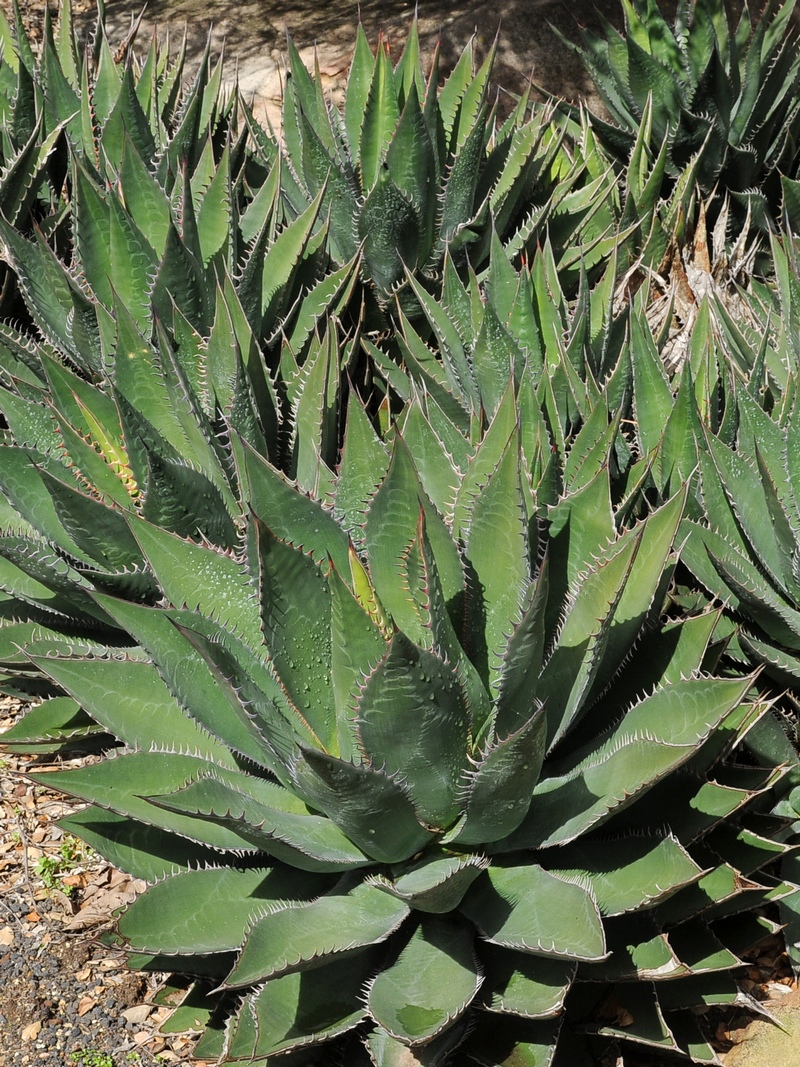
778	989
99	908
6	936
85	1004
68	905
31	1031
33	917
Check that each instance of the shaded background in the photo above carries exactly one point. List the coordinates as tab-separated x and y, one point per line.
253	33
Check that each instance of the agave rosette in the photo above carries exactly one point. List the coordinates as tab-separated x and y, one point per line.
726	423
408	169
270	759
125	184
726	94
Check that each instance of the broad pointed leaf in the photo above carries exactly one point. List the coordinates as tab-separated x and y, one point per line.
172	916
297	937
532	910
430	984
413	721
373	810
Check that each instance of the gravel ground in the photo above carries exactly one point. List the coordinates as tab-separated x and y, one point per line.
63	997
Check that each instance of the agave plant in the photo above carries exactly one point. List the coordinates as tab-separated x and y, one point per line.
727	422
410	883
751	565
407	170
675	249
726	95
124	149
133	185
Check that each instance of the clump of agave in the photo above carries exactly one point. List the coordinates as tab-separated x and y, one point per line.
417	741
409	171
727	424
398	729
724	94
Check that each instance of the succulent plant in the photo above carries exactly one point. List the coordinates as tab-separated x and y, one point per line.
268	758
670	250
407	169
726	95
750	564
726	424
133	185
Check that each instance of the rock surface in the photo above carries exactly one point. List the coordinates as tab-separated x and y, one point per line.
763	1044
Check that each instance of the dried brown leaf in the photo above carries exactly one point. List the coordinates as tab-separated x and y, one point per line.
31	1031
85	1004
